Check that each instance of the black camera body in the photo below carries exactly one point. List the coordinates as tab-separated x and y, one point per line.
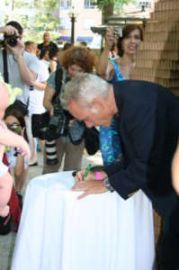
58	123
11	40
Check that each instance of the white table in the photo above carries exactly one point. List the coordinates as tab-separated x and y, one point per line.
100	232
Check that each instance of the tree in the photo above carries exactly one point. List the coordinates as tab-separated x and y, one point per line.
38	14
107	7
45	14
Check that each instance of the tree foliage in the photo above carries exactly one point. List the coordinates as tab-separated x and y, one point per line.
42	16
102	3
45	14
108	6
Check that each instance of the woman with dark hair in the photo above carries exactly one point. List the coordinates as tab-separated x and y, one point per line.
44	54
18	164
113	70
126	47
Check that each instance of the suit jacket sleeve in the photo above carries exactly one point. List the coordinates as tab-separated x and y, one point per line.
137	134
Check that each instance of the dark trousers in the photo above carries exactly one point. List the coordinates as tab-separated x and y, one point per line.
169	245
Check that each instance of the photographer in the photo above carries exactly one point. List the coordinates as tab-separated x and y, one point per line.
19	68
73	61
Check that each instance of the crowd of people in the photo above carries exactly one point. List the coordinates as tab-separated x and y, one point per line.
138	124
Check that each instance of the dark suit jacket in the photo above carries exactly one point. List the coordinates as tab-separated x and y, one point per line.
148	124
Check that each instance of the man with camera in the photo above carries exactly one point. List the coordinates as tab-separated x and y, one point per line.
19	68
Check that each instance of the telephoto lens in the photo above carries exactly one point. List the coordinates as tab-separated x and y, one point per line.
51	152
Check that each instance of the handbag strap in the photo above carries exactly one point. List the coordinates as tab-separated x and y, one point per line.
5	66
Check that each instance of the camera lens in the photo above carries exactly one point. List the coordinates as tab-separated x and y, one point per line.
11	40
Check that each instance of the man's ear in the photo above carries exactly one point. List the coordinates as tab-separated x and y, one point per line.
95	106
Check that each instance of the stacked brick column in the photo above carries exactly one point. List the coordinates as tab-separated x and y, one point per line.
158	57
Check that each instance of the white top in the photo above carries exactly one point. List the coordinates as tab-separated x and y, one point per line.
37	96
14	74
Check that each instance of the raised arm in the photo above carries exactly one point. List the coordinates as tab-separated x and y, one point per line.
8	30
49	93
27	75
104	68
29	72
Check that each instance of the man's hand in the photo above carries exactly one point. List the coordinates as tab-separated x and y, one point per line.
89	187
18	50
9	30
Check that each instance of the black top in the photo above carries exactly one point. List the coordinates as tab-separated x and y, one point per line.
50	46
148	118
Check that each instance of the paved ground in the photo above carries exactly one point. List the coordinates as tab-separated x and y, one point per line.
7	241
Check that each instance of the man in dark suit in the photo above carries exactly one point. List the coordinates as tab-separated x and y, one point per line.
148	123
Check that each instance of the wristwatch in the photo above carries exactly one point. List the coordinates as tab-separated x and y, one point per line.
107	184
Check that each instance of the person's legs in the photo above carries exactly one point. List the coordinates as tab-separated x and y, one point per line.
73	156
60	149
42	145
31	140
20	181
169	258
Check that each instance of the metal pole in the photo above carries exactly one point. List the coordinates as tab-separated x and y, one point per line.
73	28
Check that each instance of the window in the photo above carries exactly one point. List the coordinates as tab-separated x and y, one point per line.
89	4
65	4
144	4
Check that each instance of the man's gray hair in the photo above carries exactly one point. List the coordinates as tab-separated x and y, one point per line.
83	88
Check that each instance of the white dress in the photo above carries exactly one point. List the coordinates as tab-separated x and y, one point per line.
100	232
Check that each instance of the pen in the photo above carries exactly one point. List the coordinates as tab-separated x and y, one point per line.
87	170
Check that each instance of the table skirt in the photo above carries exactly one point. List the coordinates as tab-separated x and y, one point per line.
100	232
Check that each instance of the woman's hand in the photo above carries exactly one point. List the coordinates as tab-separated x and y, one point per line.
110	39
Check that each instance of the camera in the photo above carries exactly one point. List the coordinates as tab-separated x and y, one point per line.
11	40
58	123
57	126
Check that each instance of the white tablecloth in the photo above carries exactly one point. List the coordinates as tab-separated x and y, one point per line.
100	232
